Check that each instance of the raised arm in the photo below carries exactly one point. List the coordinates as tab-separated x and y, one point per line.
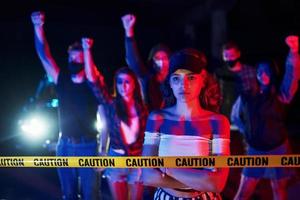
95	78
291	77
208	180
154	176
42	46
89	65
133	57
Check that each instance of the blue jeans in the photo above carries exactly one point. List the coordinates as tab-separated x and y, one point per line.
128	175
72	178
270	172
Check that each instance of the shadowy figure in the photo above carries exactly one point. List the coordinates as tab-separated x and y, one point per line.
260	116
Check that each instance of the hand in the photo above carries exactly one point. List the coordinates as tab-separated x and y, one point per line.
128	21
128	24
293	42
87	43
163	172
38	18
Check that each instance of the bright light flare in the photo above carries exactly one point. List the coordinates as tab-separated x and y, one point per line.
34	128
99	123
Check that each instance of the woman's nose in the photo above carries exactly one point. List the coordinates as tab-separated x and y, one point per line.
184	82
124	85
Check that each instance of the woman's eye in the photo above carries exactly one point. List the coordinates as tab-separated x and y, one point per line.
119	82
175	79
191	78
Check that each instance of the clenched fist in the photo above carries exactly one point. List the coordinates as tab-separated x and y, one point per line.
128	21
128	24
293	42
87	43
38	18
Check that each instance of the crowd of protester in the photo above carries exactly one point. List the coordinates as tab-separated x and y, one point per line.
168	105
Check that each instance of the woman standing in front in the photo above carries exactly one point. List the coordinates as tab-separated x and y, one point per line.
186	128
124	116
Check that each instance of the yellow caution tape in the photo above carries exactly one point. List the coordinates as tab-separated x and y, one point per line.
154	162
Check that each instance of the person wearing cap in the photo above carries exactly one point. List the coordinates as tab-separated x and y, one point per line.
186	128
77	114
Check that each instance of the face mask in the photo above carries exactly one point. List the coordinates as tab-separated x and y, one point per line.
75	68
158	63
231	63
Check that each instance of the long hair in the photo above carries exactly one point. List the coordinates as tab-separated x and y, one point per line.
210	96
120	106
274	75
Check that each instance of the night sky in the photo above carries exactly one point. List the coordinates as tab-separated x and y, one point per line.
258	26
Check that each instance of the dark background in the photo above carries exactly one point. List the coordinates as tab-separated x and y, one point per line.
259	26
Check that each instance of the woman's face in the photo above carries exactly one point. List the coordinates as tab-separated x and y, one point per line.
161	61
263	74
125	85
187	85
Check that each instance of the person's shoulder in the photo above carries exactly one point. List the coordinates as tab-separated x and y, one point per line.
155	120
221	125
156	115
217	115
63	74
219	118
63	77
161	114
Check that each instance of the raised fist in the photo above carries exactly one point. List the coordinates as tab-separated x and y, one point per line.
128	21
87	43
38	18
293	42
